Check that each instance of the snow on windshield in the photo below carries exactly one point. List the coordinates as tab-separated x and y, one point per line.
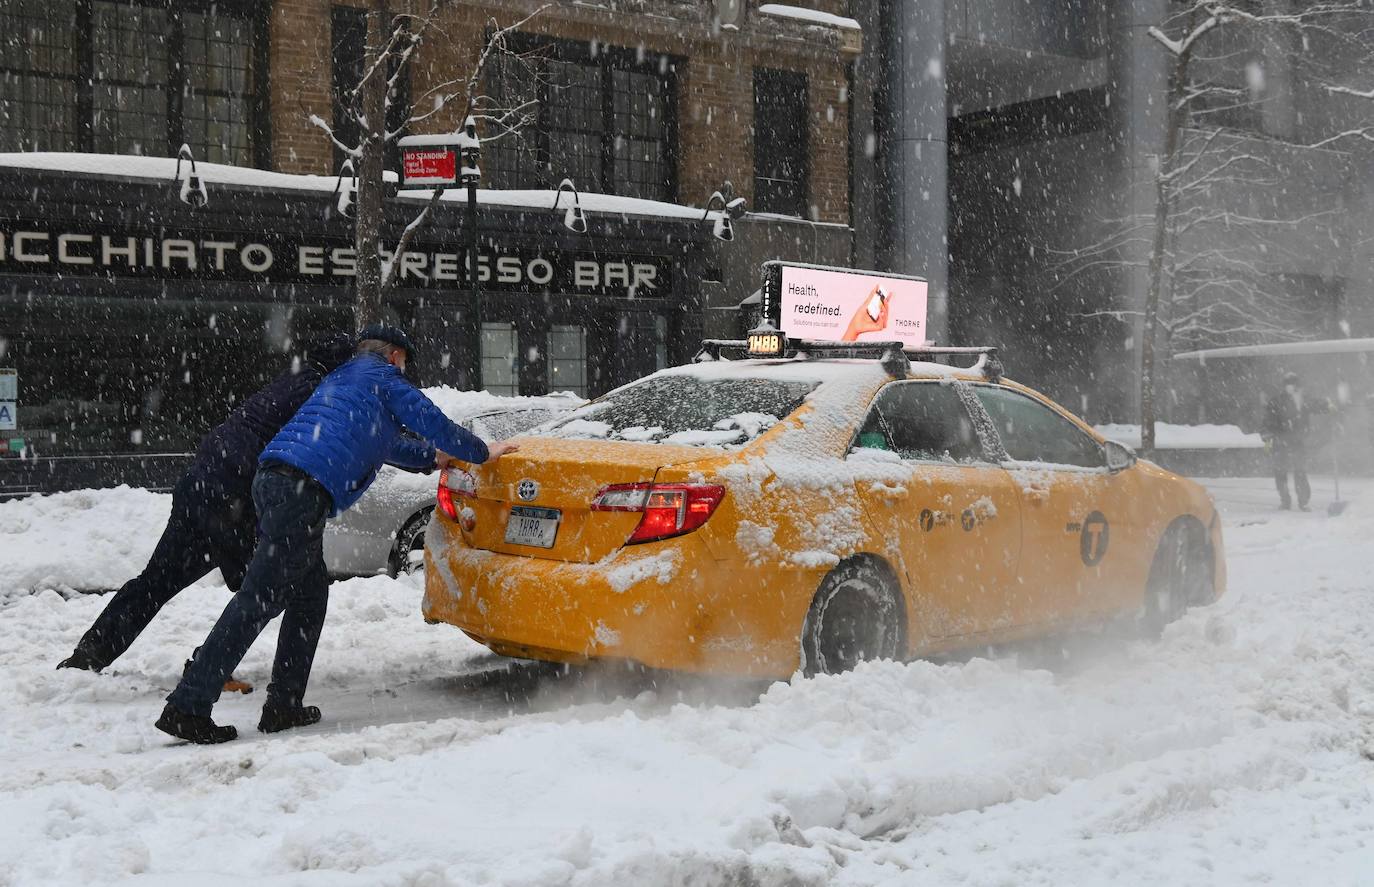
686	410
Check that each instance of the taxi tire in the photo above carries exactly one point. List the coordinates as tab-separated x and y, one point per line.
1180	576
858	602
411	534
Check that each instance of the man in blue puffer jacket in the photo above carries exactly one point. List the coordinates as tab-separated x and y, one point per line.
318	465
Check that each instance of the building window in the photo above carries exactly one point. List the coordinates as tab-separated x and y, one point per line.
660	342
601	116
134	78
130	82
499	348
348	56
38	75
221	96
568	359
348	47
780	142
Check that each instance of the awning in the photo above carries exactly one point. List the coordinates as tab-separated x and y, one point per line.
1318	346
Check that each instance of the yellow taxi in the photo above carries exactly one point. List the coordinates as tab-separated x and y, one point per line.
760	516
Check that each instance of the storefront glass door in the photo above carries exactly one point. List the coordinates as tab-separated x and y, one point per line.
499	350
567	359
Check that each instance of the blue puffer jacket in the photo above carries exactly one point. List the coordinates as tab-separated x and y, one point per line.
352	424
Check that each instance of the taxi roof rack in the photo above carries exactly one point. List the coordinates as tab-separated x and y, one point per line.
895	356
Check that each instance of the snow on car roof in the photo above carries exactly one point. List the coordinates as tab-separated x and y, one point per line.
818	370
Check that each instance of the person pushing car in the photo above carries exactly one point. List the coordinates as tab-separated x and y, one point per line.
318	465
213	522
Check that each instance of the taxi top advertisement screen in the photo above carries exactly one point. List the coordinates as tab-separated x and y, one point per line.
849	306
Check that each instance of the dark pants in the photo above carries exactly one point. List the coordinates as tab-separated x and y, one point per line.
286	576
209	527
1290	457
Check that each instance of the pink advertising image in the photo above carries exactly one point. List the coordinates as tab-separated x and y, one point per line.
840	306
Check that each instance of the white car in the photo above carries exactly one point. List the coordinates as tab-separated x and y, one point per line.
385	531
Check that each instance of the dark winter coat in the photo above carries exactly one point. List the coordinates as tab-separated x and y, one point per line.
227	457
1287	423
354	422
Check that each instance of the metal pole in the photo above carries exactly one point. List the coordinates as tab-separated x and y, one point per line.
474	279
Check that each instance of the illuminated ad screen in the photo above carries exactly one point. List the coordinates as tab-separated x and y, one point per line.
839	306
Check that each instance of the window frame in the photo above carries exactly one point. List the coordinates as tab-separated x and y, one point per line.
582	386
991	453
512	360
1051	408
606	60
787	81
179	77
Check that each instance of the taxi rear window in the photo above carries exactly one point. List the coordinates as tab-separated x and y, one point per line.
686	410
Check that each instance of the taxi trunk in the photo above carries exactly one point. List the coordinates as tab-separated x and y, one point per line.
542	500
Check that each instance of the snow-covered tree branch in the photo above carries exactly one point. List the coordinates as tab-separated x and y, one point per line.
1218	237
381	112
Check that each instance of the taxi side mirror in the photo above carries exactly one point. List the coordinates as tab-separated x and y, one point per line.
1119	456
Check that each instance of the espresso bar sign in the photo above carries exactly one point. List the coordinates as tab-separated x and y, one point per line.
37	248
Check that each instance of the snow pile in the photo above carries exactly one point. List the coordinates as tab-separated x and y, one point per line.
1185	437
87	539
810	16
1233	751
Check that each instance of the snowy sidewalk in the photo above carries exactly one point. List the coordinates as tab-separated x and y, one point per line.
1235	750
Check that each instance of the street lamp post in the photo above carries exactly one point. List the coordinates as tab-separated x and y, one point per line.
470	152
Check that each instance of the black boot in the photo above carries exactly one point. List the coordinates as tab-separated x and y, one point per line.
82	659
193	728
276	718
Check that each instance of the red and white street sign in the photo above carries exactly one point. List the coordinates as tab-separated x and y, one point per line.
429	166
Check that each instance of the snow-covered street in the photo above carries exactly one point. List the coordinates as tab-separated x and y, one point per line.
1235	750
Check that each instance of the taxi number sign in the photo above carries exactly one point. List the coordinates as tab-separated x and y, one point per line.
766	344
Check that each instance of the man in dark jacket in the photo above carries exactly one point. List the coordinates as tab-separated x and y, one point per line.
213	523
318	465
1287	426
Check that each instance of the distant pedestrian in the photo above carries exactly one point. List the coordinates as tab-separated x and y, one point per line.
1286	430
213	522
318	465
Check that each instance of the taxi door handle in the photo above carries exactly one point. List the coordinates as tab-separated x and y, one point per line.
888	492
1037	495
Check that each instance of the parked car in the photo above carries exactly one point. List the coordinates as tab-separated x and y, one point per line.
759	516
385	531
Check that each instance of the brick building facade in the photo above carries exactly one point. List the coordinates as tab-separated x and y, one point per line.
132	334
713	69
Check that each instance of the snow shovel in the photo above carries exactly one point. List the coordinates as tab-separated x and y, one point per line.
1337	506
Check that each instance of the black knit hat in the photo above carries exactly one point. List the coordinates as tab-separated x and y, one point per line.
395	336
328	352
389	334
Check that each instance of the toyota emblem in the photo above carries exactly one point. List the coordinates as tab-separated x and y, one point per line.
527	490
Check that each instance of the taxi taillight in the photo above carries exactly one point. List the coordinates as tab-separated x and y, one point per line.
455	482
669	509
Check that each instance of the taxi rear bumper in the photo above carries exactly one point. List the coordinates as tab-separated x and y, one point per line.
665	605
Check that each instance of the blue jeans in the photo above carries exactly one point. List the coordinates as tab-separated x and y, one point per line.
209	527
286	576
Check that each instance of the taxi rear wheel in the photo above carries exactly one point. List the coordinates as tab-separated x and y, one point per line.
1180	576
407	555
854	617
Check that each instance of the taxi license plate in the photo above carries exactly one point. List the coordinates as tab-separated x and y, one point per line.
536	527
